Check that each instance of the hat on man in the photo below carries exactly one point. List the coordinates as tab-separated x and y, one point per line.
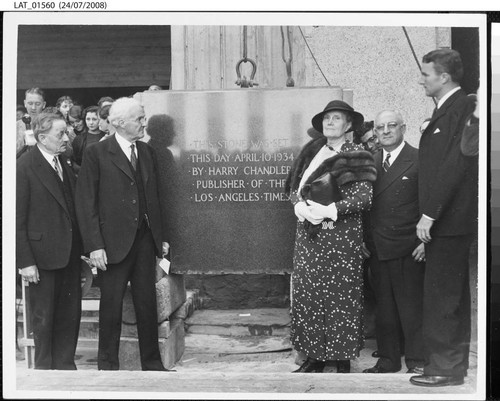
338	105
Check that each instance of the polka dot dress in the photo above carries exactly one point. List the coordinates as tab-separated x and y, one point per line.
327	281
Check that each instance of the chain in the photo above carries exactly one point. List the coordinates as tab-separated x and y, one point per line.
244	82
288	61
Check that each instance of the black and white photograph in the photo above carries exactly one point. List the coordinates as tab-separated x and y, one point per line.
244	205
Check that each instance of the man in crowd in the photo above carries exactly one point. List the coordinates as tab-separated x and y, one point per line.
34	102
48	243
119	211
397	256
448	208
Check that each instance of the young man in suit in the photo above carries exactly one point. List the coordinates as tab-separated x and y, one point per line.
48	243
120	217
397	263
34	101
448	208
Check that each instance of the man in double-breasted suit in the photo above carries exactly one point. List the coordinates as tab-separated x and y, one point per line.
118	208
448	207
397	263
48	243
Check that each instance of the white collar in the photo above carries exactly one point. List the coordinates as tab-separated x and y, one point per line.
448	94
49	157
125	145
394	154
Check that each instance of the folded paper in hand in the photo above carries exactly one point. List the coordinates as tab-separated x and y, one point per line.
165	265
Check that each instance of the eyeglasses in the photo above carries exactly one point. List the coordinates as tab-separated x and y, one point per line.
139	120
390	126
76	122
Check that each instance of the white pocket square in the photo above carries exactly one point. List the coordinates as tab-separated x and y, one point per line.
436	131
405	178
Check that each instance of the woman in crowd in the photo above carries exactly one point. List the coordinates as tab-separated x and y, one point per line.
330	185
90	135
104	124
63	104
75	119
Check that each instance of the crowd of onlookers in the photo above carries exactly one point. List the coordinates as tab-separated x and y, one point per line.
85	125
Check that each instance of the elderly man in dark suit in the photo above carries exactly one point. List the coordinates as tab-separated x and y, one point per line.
397	263
120	217
48	244
448	207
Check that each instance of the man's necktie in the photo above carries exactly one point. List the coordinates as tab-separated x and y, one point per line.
56	167
386	164
133	157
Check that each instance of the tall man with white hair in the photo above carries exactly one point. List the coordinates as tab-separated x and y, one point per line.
123	229
397	263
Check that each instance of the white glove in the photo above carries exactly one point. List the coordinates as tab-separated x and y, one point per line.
303	212
29	137
326	212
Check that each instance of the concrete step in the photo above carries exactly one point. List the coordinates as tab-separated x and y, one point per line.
240	322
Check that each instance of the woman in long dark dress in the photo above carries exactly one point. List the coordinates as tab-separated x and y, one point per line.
327	281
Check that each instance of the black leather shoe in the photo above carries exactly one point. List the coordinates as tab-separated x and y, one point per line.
379	369
344	366
436	381
311	366
375	354
417	370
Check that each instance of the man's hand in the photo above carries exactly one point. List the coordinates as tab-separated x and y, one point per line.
424	229
99	259
165	248
30	274
419	253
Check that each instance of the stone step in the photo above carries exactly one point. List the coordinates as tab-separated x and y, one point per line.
240	322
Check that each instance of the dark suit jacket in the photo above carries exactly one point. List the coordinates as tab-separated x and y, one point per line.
394	213
107	199
43	221
447	179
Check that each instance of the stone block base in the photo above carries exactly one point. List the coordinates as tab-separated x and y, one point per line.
171	347
170	295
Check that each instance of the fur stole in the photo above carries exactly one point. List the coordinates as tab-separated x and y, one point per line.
355	164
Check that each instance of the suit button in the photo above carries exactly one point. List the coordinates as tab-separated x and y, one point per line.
132	183
135	219
134	201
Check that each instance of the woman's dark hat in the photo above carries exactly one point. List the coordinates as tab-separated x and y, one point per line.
357	118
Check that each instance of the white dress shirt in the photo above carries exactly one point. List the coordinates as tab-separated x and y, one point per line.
445	97
394	153
50	159
125	145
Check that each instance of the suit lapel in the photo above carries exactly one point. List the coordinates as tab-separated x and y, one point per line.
118	157
47	177
69	171
397	169
442	110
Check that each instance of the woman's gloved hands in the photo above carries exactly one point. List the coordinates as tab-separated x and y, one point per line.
315	212
326	212
302	211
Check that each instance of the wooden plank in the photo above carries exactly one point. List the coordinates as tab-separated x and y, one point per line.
125	382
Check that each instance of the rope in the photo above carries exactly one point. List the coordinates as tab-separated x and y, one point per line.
414	55
314	58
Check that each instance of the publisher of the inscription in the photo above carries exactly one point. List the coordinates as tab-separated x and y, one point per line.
330	185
